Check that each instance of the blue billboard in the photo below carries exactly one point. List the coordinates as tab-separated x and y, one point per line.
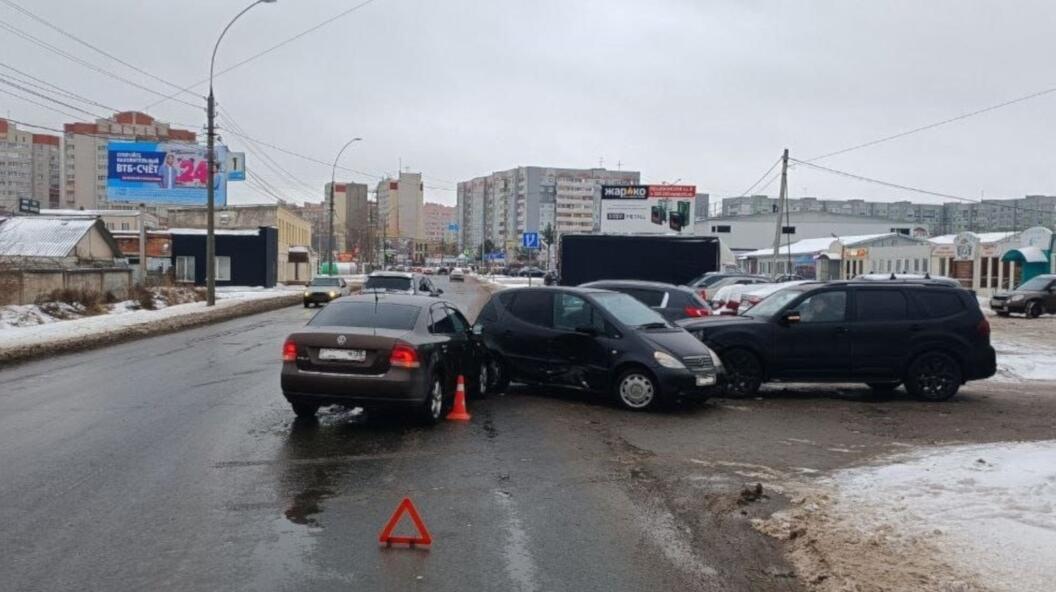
169	173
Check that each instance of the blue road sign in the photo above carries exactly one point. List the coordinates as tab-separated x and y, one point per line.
530	240
452	227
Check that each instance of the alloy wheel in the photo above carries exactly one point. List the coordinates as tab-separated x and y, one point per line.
637	391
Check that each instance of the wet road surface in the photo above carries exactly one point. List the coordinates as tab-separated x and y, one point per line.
174	463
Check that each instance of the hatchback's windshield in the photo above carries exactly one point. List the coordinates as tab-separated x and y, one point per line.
769	307
629	311
1038	283
388	283
325	281
367	314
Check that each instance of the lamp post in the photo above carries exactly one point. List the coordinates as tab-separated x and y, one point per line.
210	236
330	238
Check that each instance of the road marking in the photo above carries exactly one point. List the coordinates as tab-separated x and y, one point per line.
519	563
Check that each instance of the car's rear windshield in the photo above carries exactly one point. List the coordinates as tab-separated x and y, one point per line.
325	281
627	310
381	315
387	283
1038	283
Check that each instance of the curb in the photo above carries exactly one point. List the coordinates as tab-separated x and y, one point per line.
146	329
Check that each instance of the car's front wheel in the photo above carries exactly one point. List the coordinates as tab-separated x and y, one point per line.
304	410
933	376
744	373
636	390
1034	309
433	407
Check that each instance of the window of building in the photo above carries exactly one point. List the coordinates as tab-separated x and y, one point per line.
124	226
223	269
185	269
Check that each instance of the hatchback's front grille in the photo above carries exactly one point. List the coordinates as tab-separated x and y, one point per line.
698	362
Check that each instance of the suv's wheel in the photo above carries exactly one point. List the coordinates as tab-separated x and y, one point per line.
636	389
1034	309
433	406
744	372
305	409
933	376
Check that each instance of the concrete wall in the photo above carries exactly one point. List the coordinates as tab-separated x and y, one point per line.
26	287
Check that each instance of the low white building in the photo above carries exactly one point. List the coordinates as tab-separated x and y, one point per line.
750	233
843	257
992	261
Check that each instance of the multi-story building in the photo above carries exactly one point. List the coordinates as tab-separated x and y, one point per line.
948	218
294	232
500	206
350	218
438	219
85	157
29	167
400	203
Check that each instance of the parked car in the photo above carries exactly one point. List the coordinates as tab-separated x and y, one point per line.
709	283
457	275
672	302
428	270
727	300
533	272
757	293
594	340
381	351
441	270
926	334
1032	298
400	282
324	288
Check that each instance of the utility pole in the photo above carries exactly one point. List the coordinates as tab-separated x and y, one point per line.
142	245
333	177
782	197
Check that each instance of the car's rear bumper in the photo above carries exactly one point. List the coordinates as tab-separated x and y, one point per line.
399	387
983	366
317	297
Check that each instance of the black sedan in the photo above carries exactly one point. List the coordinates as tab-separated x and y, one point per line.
595	340
381	351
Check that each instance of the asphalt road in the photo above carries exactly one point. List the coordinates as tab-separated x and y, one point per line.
173	463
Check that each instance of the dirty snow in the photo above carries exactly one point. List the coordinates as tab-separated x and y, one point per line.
1018	361
989	508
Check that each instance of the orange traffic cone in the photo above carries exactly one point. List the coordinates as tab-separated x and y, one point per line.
459	412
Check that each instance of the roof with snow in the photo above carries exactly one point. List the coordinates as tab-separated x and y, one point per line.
202	231
90	213
984	237
40	236
810	246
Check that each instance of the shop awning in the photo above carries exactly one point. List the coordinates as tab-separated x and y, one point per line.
1026	255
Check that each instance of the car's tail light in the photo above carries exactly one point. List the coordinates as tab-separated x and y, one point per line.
289	351
695	311
733	304
403	356
984	328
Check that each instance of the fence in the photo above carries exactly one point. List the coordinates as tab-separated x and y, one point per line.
25	286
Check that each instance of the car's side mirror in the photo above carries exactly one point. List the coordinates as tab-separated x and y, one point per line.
591	331
791	317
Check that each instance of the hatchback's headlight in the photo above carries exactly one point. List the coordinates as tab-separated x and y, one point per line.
668	361
333	294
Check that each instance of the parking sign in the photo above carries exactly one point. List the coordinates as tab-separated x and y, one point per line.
530	240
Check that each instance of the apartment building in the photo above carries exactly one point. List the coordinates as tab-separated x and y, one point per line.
400	203
438	218
29	167
85	156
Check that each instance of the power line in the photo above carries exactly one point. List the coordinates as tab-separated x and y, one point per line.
268	161
7	81
43	105
84	63
253	57
995	203
751	187
49	87
936	124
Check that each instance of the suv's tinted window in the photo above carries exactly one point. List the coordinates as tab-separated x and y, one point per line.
882	305
507	298
679	299
488	314
646	297
938	303
823	307
534	307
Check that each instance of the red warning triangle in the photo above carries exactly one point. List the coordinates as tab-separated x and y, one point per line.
387	538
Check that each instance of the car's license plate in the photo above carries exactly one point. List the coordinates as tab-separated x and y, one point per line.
342	355
705	380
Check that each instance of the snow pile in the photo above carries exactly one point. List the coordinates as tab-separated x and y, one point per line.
1017	361
990	509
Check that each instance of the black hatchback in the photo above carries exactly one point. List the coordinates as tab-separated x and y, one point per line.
594	340
928	335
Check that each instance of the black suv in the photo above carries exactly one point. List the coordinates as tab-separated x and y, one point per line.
594	340
1032	298
928	335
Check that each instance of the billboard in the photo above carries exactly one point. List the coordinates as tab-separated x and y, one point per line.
169	173
648	209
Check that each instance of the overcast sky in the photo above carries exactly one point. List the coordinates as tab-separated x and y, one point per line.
706	92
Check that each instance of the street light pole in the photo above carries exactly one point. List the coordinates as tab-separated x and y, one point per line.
210	191
333	176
